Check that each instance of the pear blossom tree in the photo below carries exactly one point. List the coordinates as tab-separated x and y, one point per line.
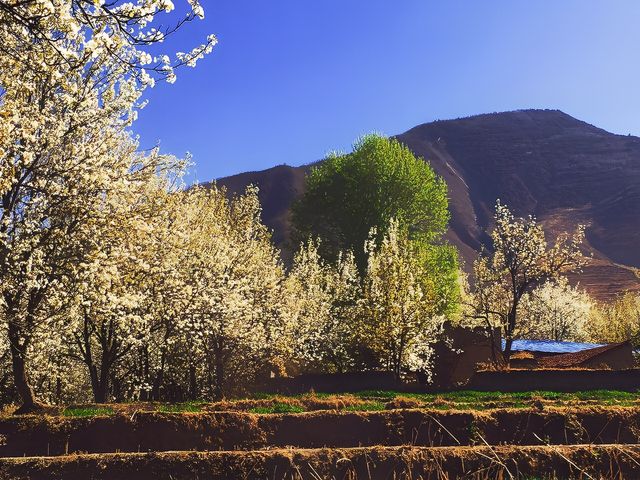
556	311
398	317
321	302
521	260
72	73
617	320
166	291
232	327
111	313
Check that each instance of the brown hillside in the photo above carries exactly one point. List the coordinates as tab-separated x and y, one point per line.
544	162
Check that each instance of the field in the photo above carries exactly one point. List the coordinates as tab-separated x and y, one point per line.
366	435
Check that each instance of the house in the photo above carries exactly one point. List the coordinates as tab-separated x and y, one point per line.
536	354
614	356
460	352
463	351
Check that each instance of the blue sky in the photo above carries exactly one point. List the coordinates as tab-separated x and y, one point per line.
291	80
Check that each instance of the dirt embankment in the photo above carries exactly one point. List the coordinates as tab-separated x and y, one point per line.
157	432
610	461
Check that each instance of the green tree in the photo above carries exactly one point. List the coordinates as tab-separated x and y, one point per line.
348	195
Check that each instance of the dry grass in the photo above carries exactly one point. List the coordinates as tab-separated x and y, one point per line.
318	436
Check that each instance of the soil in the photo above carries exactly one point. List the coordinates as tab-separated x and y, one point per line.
584	461
157	432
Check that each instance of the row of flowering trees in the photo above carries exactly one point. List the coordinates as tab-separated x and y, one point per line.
185	296
115	281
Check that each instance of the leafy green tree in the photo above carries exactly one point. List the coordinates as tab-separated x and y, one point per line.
379	182
347	195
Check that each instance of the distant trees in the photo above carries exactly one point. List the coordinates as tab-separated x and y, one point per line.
617	321
520	261
556	311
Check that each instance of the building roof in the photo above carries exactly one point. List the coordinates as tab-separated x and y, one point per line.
549	346
577	358
524	355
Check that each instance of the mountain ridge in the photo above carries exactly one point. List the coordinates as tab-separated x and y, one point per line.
542	162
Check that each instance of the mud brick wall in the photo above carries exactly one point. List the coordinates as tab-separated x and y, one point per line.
556	380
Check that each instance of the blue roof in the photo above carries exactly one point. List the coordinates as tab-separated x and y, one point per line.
549	346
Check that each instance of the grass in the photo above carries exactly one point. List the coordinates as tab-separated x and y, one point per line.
80	412
376	400
365	407
182	407
279	408
475	400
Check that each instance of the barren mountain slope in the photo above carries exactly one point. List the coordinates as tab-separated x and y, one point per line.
543	162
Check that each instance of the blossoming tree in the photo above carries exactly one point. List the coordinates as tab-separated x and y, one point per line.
321	302
520	261
556	311
399	316
71	77
232	327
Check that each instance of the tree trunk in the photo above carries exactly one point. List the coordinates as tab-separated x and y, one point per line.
18	345
218	392
510	328
101	393
158	381
58	390
507	349
101	390
20	379
193	384
494	345
29	403
146	394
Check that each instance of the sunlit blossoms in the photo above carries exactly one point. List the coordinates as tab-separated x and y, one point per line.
399	317
521	260
231	326
556	311
70	83
321	306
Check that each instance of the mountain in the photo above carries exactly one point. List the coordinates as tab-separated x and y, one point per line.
541	162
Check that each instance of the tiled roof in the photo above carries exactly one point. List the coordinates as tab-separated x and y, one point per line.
577	358
522	356
549	346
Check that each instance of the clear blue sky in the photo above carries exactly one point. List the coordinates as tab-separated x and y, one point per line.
291	80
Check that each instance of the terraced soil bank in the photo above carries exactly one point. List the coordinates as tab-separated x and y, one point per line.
539	441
